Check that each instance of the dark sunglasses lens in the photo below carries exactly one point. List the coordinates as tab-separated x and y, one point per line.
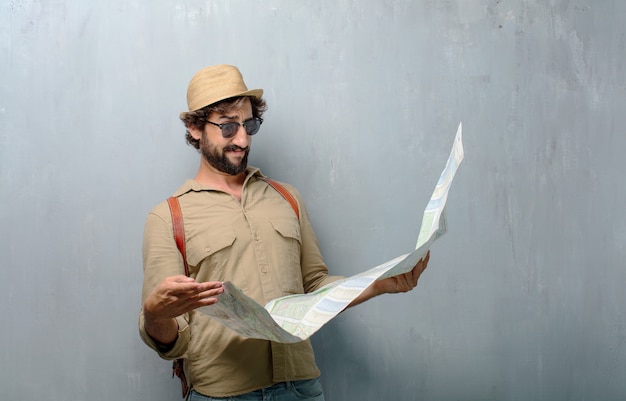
229	129
252	126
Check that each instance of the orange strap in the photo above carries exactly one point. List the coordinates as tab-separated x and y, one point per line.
179	229
286	194
179	236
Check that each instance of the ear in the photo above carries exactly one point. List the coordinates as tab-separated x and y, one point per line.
195	132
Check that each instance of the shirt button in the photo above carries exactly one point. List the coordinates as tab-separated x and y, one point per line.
207	249
264	270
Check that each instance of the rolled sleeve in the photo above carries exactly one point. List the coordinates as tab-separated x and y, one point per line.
162	259
178	350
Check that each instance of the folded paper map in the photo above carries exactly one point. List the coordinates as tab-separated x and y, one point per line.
294	318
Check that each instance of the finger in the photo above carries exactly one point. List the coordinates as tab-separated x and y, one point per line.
179	279
210	293
205	298
404	282
417	271
415	277
207	289
206	301
208	285
421	265
184	289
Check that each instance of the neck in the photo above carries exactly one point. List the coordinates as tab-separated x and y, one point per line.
209	176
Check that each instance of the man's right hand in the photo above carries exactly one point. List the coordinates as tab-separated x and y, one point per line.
173	297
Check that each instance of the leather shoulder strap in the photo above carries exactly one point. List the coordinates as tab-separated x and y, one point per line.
286	194
179	237
179	229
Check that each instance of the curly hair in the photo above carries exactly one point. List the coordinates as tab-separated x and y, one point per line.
198	119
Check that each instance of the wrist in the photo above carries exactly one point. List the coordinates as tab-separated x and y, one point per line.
377	288
163	331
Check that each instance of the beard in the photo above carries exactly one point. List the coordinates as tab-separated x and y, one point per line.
219	160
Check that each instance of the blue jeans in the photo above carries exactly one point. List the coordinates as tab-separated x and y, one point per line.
298	390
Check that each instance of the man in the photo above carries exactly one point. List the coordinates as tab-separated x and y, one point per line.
237	228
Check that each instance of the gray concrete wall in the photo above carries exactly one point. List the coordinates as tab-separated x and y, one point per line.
523	298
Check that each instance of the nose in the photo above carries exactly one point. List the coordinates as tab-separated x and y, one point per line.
241	138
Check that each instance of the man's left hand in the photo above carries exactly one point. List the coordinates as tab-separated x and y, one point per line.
392	285
402	282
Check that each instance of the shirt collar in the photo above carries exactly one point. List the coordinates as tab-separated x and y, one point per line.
195	186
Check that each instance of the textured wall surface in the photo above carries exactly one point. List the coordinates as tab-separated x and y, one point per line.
524	297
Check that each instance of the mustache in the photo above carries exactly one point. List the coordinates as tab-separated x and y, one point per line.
233	148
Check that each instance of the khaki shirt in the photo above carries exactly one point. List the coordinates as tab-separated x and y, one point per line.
260	245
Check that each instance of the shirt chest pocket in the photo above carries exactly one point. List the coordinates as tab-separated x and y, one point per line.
211	249
286	255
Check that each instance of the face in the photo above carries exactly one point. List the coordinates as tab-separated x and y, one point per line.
230	155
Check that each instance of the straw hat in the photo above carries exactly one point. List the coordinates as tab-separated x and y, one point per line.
215	83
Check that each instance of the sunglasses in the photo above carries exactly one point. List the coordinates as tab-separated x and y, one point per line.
229	129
